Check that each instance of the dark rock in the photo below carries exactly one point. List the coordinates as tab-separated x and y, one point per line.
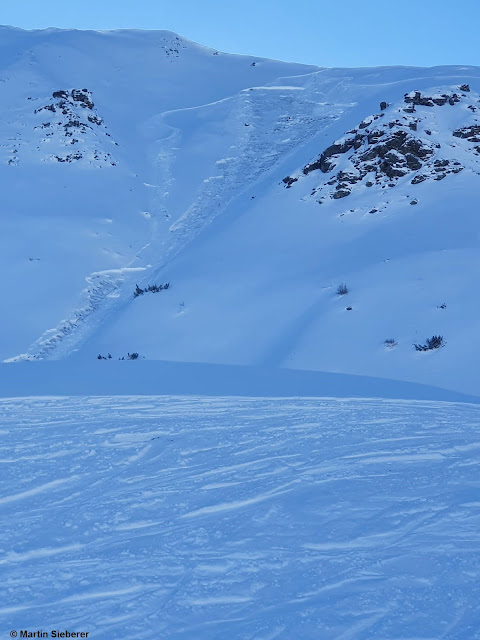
414	201
374	136
413	126
418	99
418	179
357	142
341	193
365	123
440	101
82	96
369	184
413	163
465	87
383	105
350	178
289	181
48	107
324	163
467	132
60	94
416	148
441	163
95	120
391	170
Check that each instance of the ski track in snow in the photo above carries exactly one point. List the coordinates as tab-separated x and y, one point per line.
172	517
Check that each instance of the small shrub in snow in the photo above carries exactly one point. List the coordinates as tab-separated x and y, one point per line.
152	288
138	292
442	306
342	289
435	342
131	356
390	343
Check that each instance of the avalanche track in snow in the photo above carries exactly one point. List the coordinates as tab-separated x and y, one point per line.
206	518
266	123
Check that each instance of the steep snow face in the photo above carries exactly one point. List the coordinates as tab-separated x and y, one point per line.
185	518
254	188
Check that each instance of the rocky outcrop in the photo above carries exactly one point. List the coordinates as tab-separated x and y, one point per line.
472	134
74	121
324	162
383	150
83	96
416	98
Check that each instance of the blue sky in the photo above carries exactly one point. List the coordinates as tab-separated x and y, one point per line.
333	33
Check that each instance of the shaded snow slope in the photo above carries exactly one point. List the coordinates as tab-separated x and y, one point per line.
46	378
254	188
268	519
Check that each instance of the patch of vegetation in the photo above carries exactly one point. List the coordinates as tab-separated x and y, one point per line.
390	343
435	342
152	288
130	356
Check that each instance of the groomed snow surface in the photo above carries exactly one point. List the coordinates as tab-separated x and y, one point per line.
207	518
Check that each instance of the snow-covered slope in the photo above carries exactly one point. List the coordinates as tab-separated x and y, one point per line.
254	188
264	519
81	162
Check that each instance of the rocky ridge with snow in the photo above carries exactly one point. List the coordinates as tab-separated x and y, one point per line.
390	147
67	128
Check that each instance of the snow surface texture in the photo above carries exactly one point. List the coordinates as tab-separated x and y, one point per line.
257	519
131	157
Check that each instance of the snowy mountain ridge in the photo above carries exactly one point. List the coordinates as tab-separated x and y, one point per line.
137	158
